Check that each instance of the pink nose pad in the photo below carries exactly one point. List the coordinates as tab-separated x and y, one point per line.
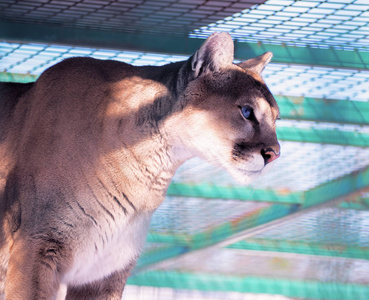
271	156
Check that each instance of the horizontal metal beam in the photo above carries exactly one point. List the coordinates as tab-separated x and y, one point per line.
323	136
157	253
15	77
302	247
328	57
52	34
211	281
323	110
347	185
234	192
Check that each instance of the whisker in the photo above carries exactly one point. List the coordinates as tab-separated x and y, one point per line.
203	170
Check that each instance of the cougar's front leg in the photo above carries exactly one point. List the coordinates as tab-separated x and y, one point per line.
109	288
34	269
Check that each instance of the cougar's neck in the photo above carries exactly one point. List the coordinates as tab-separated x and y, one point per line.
174	76
143	171
143	154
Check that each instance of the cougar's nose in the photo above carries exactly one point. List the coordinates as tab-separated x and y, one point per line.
270	154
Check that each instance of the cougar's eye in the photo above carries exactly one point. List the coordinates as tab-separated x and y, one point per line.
246	112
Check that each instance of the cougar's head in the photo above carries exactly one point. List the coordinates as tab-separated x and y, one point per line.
228	116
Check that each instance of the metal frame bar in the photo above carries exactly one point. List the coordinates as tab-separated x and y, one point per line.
239	193
15	77
354	183
27	32
323	136
323	110
301	247
215	282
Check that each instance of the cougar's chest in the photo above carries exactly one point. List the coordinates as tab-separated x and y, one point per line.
109	250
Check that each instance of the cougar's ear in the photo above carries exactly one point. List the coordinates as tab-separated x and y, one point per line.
257	64
215	54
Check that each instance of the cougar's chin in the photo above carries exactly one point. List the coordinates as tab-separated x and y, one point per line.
244	176
245	172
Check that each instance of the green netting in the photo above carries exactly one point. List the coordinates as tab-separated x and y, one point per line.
233	270
326	226
35	58
329	231
175	17
341	24
319	82
197	222
319	254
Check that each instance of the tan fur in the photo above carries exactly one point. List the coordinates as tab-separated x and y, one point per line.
87	153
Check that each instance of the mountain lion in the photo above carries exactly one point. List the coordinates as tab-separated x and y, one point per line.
87	153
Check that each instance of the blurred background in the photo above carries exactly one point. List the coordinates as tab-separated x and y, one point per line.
301	231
